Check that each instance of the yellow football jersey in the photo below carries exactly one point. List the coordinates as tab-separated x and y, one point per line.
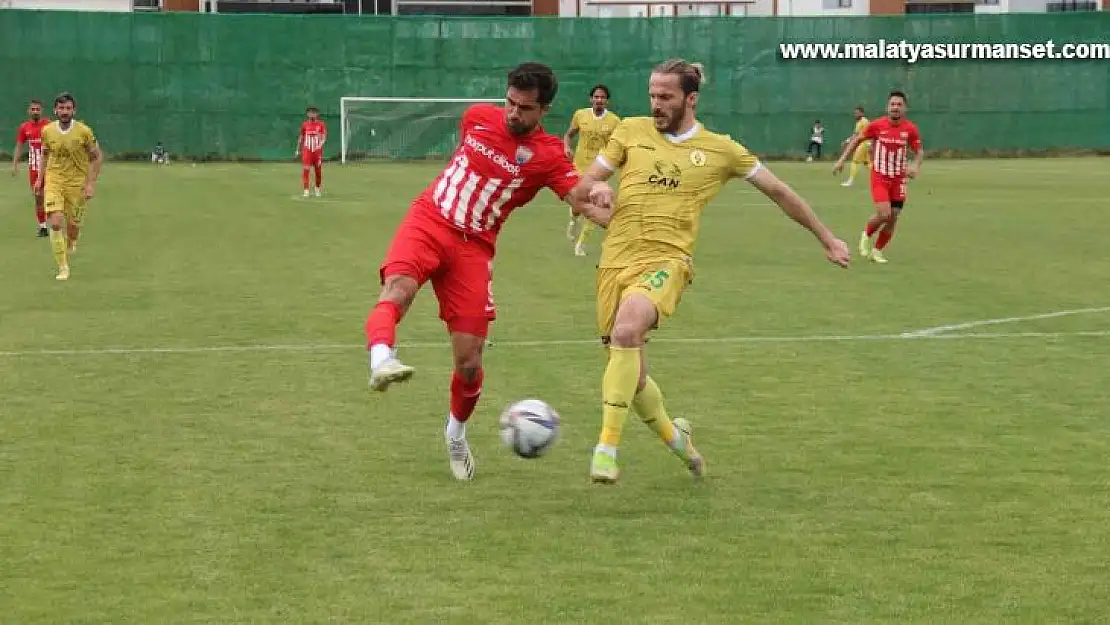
593	134
67	152
861	125
665	183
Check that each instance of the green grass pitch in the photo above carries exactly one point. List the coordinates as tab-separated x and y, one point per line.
186	435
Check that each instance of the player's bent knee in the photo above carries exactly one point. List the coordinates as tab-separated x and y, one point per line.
467	349
635	317
399	289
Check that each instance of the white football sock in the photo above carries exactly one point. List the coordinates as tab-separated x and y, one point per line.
608	450
378	354
455	428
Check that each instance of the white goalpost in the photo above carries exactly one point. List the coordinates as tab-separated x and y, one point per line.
401	128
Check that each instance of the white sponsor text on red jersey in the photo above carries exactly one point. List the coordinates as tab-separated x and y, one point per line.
313	135
891	144
30	132
494	172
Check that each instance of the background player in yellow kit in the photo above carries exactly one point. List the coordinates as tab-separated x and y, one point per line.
862	155
671	167
71	162
593	126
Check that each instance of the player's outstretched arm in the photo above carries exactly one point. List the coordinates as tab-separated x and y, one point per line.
915	167
853	143
96	159
591	197
16	154
571	132
794	206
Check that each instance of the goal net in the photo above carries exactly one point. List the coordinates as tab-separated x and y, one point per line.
401	128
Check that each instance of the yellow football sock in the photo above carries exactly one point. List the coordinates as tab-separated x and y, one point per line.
852	172
587	226
618	386
648	404
58	244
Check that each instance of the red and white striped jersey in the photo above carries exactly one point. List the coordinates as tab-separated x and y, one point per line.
494	172
30	132
313	135
890	141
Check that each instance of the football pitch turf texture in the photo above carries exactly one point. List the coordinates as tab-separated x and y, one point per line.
186	433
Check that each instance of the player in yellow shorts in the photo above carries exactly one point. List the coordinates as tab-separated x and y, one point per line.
862	155
671	167
593	126
71	162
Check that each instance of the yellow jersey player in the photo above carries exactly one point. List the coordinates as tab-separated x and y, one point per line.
71	160
671	168
862	155
594	125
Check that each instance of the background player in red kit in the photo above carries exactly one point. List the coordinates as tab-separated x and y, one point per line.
30	132
892	136
310	147
449	237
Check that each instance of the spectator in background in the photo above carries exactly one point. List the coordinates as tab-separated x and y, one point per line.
159	155
816	140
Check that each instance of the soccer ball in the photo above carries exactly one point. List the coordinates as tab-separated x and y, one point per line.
529	427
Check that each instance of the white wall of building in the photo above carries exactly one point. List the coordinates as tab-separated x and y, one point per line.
823	8
1026	6
1002	6
69	5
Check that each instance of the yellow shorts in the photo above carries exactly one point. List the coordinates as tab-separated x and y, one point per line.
662	282
862	155
68	199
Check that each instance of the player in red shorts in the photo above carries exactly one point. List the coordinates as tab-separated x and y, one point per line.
892	136
30	132
449	237
310	147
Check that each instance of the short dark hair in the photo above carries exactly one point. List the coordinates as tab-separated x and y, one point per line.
36	101
860	108
899	94
65	96
311	108
599	86
529	76
691	76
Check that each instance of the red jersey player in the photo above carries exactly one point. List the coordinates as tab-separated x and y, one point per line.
30	132
449	236
310	147
892	137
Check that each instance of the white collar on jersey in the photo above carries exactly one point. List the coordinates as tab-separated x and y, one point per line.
603	113
684	136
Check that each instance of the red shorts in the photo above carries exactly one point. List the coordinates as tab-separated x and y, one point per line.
886	189
312	158
459	267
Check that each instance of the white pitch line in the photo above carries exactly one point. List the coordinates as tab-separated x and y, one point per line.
935	330
338	347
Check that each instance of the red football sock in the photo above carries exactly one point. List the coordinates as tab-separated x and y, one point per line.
304	179
381	324
319	176
873	225
884	238
465	394
40	214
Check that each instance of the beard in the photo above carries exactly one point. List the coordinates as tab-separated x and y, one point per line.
519	128
668	121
